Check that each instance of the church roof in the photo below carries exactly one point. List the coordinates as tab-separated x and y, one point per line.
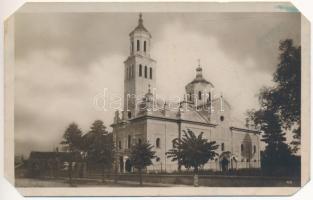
199	77
200	80
140	27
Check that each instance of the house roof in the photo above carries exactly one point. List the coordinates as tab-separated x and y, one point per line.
37	155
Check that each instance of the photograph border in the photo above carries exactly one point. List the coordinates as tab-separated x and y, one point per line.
154	7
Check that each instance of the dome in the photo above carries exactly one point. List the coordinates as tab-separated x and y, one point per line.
199	77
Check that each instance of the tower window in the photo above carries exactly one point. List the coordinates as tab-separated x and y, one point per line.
150	73
157	143
144	46
138	45
119	144
222	118
146	72
132	46
140	70
254	149
199	95
222	147
131	71
241	147
129	141
127	73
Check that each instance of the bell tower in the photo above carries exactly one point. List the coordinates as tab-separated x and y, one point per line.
139	69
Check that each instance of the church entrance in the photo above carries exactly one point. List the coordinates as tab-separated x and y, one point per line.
225	158
224	164
128	166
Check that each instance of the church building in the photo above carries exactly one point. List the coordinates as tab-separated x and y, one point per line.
145	118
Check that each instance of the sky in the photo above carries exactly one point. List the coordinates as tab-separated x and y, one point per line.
63	61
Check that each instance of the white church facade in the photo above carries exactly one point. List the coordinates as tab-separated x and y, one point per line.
148	119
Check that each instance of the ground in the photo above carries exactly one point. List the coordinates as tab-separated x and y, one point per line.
163	181
27	182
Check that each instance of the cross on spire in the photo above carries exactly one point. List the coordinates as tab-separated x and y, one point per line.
140	20
199	70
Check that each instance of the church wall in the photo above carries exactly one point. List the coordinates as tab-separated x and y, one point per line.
247	157
208	133
166	131
136	130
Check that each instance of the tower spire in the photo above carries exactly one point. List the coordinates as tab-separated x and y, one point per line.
140	20
199	70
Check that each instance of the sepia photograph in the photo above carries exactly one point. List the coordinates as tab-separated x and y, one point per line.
141	98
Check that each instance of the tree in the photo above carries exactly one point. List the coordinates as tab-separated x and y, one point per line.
140	157
280	109
288	80
72	138
277	154
97	130
99	146
286	95
103	152
192	151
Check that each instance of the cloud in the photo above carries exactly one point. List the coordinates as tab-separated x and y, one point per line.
65	60
50	95
177	56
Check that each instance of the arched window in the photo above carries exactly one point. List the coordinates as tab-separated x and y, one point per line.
157	143
129	114
150	73
222	147
144	46
241	147
254	149
140	70
199	95
138	45
146	72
